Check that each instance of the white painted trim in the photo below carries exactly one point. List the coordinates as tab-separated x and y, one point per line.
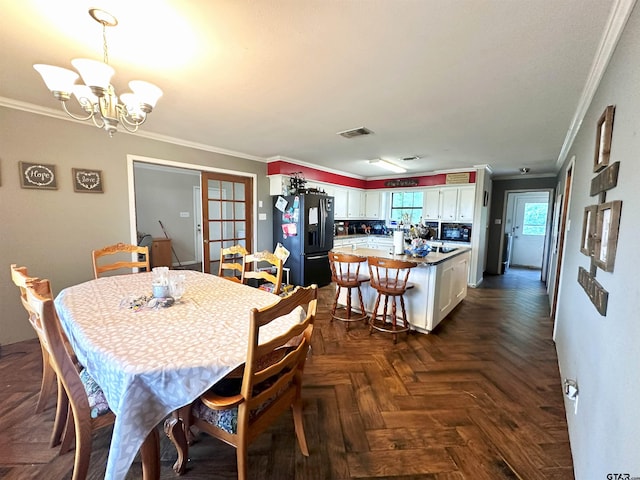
620	13
315	166
204	168
505	200
167	169
524	177
60	115
561	257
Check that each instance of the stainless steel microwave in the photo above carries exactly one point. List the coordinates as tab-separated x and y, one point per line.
455	232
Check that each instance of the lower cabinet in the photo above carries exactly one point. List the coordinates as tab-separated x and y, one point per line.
437	290
161	252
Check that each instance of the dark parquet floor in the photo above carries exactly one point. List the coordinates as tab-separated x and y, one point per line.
478	399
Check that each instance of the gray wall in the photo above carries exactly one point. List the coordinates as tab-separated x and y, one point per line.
602	353
162	194
53	232
498	197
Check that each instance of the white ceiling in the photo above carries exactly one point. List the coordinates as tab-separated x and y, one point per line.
458	83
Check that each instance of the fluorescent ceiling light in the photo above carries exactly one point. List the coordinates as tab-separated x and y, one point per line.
388	165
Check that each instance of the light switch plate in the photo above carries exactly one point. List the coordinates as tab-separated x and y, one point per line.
184	214
259	203
262	216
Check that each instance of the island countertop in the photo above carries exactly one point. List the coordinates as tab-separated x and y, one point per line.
434	257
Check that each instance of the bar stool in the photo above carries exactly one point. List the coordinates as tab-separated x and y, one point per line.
389	277
345	272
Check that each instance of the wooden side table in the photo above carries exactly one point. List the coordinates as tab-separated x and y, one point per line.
161	252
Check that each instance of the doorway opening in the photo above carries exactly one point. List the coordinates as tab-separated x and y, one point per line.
526	230
163	190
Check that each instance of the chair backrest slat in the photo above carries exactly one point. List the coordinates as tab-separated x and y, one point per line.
251	269
287	351
141	258
232	262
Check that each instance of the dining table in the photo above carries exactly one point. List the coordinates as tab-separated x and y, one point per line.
150	358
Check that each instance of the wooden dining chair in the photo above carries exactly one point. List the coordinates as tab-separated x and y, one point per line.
21	278
88	409
118	261
236	410
273	274
232	263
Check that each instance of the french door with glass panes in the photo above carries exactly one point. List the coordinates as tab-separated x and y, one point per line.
227	216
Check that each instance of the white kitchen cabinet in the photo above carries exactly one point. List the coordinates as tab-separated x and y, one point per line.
373	204
451	284
278	184
380	243
355	203
466	201
431	204
438	289
448	204
340	207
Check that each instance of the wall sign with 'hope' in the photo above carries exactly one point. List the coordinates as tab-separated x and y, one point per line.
38	175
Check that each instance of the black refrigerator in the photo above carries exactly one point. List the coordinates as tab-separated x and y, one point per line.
303	224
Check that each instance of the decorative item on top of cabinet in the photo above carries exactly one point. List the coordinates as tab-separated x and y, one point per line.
161	252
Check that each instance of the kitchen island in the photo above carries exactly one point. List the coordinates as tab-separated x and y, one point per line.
439	280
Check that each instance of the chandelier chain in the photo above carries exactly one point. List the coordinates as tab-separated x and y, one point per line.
105	51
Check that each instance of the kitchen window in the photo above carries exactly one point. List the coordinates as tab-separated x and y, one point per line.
406	207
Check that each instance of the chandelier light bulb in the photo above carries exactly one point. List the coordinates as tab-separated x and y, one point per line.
97	97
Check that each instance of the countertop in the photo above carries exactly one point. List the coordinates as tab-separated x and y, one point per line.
360	235
433	258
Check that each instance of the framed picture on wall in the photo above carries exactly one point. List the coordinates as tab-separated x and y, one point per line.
604	132
606	238
38	175
88	181
588	229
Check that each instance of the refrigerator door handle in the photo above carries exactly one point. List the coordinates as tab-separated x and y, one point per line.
317	257
322	221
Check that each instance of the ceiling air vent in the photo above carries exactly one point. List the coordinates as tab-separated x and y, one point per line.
355	132
411	158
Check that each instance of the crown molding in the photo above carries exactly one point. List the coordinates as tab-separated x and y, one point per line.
618	17
295	161
60	115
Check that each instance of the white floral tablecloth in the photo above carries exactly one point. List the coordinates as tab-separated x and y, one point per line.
152	361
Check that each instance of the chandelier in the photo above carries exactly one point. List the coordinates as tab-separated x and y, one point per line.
97	97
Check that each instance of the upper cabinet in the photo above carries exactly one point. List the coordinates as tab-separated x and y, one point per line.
352	203
466	201
373	205
449	204
432	204
356	203
340	209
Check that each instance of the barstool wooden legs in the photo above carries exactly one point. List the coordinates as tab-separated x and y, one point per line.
381	324
348	318
389	277
345	272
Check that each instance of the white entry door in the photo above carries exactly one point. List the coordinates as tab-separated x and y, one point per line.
529	229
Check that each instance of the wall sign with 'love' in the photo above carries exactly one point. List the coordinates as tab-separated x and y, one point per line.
89	181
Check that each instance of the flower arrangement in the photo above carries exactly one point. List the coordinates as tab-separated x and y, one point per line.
418	248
